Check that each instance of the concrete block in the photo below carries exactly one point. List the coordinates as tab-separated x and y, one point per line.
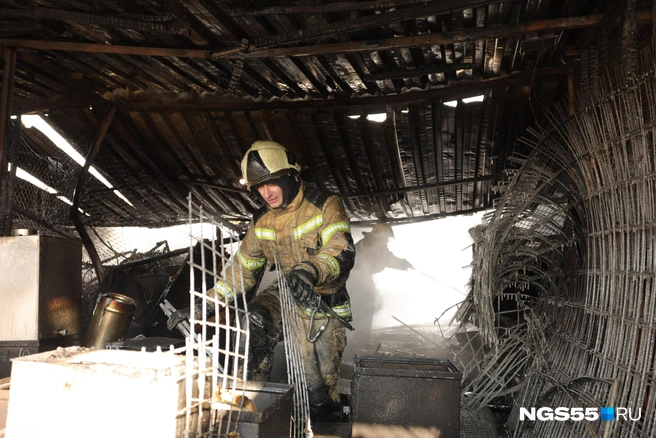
77	393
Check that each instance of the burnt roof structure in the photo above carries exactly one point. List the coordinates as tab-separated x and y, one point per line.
165	97
184	88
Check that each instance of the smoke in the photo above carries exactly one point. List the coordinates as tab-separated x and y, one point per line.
440	253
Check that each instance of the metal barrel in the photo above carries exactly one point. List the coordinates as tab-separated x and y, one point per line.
110	320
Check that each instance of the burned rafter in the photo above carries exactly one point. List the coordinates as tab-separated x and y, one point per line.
366	22
417	72
82	84
380	202
219	102
416	144
324	8
438	145
345	139
145	23
334	166
299	138
450	37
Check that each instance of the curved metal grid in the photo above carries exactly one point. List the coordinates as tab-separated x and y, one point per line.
564	272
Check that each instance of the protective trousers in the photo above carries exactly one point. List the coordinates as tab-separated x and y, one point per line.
321	359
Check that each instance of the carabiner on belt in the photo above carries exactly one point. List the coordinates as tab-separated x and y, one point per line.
310	337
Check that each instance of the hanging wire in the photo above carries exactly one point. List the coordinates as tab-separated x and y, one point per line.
292	330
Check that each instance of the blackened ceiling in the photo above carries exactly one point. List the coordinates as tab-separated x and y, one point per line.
174	92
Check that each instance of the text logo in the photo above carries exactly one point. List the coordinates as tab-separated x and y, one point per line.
579	414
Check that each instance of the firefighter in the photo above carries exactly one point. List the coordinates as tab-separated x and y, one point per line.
373	257
307	231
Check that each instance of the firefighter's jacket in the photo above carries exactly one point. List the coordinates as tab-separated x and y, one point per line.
313	227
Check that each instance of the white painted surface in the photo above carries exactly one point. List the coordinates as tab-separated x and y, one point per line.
19	288
100	394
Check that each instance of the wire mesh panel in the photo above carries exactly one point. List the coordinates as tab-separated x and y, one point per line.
564	272
216	339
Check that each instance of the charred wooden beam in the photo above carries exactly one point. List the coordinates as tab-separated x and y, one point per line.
381	203
440	141
481	139
146	23
432	39
495	31
323	8
69	46
345	138
334	165
361	23
221	102
393	152
224	103
415	72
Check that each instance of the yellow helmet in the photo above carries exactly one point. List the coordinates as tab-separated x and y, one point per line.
267	160
382	230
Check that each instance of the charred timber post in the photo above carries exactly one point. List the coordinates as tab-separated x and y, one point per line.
88	244
6	101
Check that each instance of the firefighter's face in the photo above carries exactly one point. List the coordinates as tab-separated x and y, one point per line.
272	194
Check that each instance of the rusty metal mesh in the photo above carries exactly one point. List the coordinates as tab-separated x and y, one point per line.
564	270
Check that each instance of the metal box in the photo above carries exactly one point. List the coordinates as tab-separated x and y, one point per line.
41	287
12	349
274	409
418	396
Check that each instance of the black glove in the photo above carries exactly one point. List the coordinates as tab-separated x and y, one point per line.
185	313
301	281
177	317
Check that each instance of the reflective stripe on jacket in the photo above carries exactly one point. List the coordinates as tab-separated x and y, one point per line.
314	227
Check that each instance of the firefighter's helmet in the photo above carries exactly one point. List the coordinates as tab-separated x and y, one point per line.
382	230
267	160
